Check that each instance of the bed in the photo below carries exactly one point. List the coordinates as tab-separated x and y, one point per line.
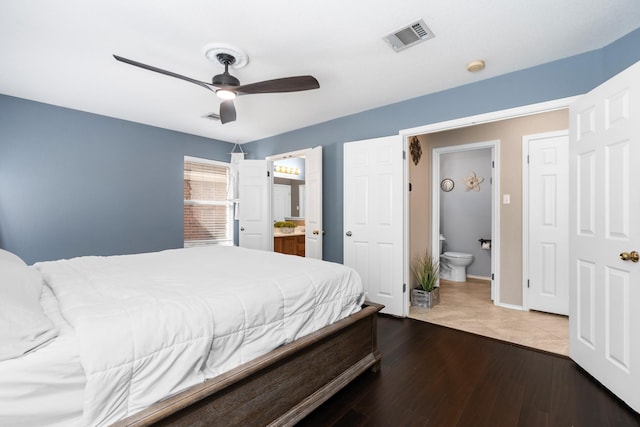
197	336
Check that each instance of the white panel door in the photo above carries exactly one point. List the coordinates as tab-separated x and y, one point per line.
302	200
604	320
256	226
281	202
373	218
313	203
548	228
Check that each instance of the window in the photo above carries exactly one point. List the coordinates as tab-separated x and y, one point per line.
208	216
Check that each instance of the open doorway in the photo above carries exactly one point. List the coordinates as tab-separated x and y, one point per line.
507	239
297	202
465	213
288	214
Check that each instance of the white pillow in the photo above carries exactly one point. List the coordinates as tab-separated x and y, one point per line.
23	325
8	256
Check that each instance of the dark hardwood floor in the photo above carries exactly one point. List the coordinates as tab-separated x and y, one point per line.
435	376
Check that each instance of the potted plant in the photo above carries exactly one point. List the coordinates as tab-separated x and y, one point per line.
285	227
426	270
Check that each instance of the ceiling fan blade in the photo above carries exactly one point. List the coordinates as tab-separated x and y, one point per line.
161	71
227	111
286	84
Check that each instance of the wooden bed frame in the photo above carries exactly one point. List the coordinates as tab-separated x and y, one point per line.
279	388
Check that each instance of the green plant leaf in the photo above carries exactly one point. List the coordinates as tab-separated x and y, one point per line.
426	270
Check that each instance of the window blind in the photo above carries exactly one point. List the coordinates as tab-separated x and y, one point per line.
208	216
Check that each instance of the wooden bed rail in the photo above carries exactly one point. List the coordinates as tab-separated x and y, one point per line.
280	387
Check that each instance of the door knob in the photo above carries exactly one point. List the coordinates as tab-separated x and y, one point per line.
632	256
348	233
316	232
241	228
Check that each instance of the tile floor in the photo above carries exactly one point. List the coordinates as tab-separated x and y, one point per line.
467	306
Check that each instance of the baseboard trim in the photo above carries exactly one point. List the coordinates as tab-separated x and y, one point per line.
471	276
511	306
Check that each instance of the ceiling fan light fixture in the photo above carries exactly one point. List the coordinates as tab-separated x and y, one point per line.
225	94
227	87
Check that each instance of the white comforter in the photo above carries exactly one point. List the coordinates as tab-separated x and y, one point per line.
44	387
150	325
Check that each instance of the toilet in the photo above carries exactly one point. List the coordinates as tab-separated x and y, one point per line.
453	265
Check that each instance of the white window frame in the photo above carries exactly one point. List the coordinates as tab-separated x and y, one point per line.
227	203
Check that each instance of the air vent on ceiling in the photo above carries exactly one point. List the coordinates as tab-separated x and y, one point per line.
409	35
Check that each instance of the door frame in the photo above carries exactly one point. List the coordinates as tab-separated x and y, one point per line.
495	204
525	206
493	116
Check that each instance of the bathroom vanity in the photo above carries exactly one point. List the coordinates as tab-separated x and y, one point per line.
292	244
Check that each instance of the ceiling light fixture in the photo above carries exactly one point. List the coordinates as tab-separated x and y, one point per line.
226	94
475	66
286	169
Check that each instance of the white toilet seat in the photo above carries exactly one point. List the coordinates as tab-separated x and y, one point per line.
457	255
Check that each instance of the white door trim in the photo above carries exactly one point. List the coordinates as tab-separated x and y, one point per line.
525	206
494	116
495	205
406	269
282	156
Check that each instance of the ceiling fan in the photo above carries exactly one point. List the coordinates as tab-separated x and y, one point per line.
227	87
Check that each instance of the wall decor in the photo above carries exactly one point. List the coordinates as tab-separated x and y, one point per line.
447	184
416	150
472	182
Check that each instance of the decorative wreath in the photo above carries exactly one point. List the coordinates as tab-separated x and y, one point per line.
416	150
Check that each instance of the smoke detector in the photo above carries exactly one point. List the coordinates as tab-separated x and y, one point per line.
409	35
475	66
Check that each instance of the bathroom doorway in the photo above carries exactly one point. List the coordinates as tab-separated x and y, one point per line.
288	205
506	244
297	201
465	211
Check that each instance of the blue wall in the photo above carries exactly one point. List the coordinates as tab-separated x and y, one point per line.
559	79
74	183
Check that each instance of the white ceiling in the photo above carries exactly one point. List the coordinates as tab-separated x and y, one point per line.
60	52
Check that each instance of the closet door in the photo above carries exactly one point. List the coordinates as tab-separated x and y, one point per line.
548	222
